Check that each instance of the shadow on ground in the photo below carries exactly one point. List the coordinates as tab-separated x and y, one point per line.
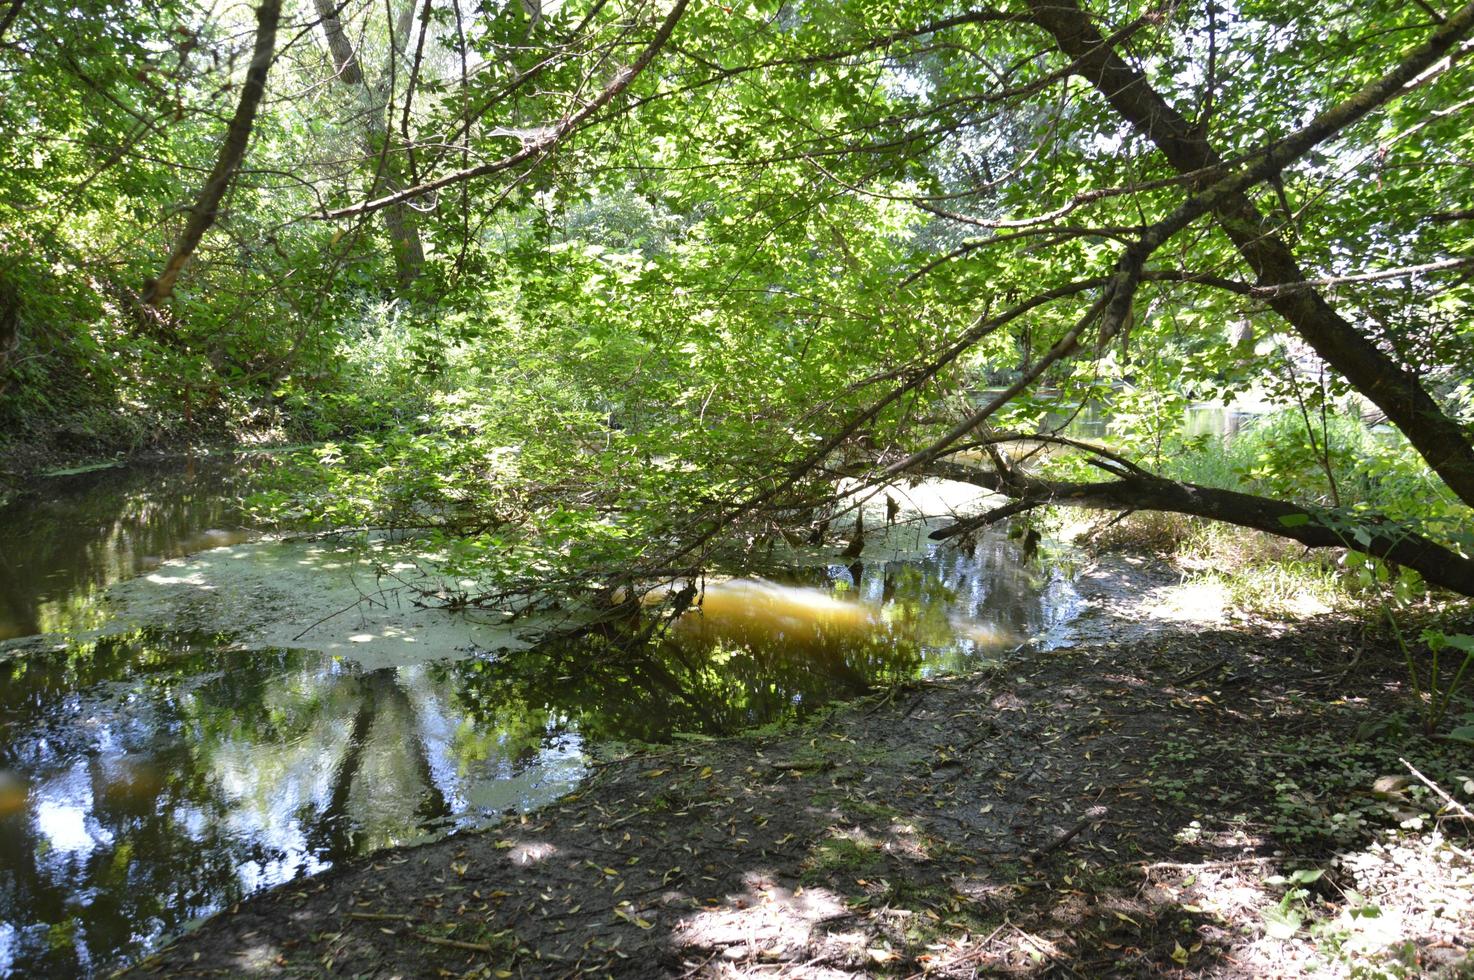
1127	807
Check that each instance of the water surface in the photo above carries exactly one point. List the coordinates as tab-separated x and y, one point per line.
154	774
73	536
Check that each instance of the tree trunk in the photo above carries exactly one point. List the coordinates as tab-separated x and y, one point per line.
237	135
11	12
399	223
1440	440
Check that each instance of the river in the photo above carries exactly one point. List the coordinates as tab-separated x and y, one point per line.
179	727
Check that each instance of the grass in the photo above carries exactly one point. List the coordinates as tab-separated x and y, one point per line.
1276	456
842	853
1256	572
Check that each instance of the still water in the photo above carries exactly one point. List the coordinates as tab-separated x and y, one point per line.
63	545
152	776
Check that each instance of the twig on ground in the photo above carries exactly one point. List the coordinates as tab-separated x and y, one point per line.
1199	865
1093	815
1458	808
976	953
1195	675
380	916
457	943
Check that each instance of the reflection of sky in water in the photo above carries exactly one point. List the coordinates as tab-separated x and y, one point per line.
200	775
147	780
62	820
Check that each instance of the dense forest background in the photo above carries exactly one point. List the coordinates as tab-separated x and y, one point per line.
608	285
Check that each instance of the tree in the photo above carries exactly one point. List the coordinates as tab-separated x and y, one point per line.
377	131
202	215
1128	212
877	242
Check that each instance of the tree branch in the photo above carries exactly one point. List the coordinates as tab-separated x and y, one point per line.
10	14
539	141
1312	527
237	135
1440	440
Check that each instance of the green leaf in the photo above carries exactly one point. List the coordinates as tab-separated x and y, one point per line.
1281	923
1464	733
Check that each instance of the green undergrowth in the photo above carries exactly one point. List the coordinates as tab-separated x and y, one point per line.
1315	791
1331	462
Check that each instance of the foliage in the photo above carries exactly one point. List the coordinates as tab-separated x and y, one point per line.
652	311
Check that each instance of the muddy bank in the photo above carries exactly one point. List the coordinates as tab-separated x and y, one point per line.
1134	805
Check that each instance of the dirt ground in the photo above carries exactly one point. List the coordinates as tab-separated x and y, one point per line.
1186	792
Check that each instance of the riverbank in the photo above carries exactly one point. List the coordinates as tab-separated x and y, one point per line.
1138	804
25	465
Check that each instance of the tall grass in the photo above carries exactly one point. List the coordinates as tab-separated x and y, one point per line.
1335	461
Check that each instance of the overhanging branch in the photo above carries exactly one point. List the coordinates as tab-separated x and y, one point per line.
1440	439
540	140
1311	527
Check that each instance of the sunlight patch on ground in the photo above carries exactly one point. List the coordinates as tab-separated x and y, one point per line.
1305	604
1398	906
531	852
761	922
1418	887
1203	602
259	958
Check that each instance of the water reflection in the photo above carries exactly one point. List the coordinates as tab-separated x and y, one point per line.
147	779
62	547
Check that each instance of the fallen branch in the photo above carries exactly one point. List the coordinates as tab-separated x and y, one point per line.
1093	815
380	916
1200	865
1458	808
1180	681
1311	526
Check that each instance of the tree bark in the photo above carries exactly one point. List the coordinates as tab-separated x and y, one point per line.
1440	440
399	223
11	12
237	135
1137	490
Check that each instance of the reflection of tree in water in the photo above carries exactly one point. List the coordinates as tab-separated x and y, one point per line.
167	777
716	672
85	532
768	653
115	842
385	719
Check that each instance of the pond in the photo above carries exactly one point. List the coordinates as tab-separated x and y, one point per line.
193	729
